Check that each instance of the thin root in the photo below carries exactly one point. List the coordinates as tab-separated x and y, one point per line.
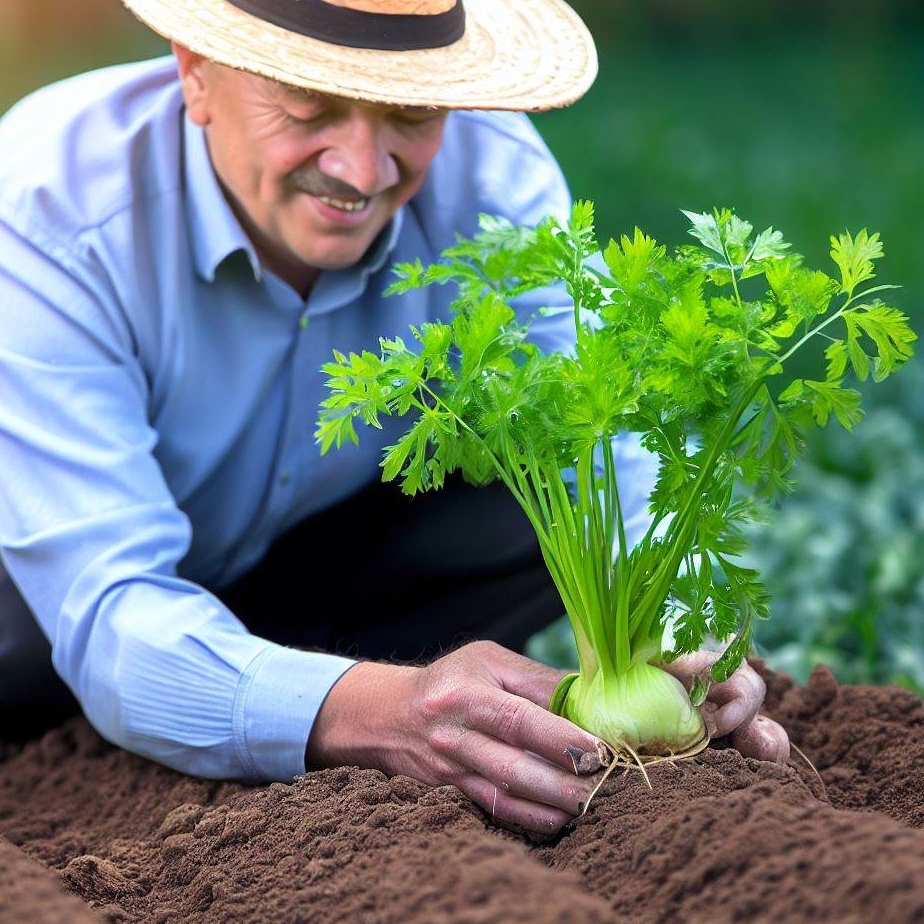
691	751
628	758
613	764
801	753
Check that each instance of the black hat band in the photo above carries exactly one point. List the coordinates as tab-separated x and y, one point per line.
340	25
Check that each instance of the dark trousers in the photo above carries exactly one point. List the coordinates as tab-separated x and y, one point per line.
385	576
379	575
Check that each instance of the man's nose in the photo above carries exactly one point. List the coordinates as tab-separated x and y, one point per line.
359	155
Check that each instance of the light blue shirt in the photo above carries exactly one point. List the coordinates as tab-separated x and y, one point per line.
158	395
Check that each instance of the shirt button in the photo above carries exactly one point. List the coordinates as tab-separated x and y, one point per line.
285	477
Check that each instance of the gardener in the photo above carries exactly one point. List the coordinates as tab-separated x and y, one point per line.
182	243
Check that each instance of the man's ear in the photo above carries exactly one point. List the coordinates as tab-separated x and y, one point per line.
192	69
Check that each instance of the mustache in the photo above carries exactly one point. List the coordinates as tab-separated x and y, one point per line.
311	180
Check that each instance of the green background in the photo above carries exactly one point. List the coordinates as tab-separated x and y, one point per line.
802	115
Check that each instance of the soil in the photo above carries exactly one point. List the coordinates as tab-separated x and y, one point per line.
716	839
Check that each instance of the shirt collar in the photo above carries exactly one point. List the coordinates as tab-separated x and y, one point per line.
382	246
216	233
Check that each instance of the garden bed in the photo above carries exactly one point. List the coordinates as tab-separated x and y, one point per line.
719	838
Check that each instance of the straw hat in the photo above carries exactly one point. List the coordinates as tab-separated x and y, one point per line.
454	54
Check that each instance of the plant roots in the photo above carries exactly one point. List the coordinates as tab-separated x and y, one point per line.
629	759
801	753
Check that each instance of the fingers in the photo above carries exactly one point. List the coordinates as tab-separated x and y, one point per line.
731	704
732	709
738	699
497	802
521	774
687	666
527	726
763	739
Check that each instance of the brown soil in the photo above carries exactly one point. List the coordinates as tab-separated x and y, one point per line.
719	838
30	892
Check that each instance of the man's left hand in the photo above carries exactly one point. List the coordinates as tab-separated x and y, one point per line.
732	707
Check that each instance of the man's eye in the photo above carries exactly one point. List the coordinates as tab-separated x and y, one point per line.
302	115
416	115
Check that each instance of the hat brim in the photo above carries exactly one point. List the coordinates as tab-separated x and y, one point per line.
528	55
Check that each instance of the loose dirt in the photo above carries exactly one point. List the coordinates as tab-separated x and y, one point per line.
716	839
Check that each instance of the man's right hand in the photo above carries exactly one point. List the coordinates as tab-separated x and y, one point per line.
475	719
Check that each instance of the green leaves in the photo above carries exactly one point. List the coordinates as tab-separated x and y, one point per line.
693	356
705	228
888	329
769	245
801	294
484	336
824	399
689	349
889	332
854	257
335	430
410	457
597	390
357	392
725	234
632	260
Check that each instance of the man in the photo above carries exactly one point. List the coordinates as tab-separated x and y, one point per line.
182	244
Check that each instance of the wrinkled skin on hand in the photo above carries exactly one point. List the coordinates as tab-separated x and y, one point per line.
477	719
732	707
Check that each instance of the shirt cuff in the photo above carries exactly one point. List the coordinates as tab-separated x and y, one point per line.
278	698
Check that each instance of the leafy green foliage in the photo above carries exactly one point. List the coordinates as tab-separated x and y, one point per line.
854	258
687	349
843	561
812	147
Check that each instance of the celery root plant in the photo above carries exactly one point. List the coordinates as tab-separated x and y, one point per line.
690	349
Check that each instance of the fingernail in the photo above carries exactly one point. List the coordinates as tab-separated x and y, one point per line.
586	761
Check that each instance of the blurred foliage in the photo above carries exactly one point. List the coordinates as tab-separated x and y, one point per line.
803	114
46	40
843	558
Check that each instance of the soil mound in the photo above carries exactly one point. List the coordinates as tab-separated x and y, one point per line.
31	893
716	839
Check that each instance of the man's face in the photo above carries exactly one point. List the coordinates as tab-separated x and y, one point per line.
312	178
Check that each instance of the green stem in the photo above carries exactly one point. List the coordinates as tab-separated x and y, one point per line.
620	595
734	277
843	310
594	554
679	533
574	552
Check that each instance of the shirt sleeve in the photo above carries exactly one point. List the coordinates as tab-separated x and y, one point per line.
92	537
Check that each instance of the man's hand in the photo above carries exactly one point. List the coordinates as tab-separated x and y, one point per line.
731	708
476	719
